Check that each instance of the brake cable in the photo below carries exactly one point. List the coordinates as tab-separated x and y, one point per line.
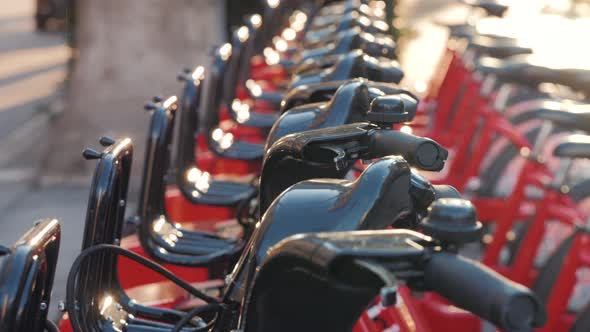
245	215
195	312
213	303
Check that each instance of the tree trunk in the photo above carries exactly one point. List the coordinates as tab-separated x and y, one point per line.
127	52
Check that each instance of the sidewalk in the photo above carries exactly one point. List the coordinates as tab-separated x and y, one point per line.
21	205
32	67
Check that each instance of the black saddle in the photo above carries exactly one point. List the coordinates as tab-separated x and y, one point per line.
497	48
521	70
469	31
568	116
492	8
577	146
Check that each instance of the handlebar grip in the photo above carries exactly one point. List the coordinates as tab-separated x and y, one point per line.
420	152
478	289
445	191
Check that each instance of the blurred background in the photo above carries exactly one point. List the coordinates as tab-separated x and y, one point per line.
74	70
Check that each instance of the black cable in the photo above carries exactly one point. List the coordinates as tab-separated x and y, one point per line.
244	216
240	215
357	169
243	210
195	312
71	281
50	326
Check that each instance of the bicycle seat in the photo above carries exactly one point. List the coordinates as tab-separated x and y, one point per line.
492	8
469	31
522	71
461	30
569	116
576	146
353	64
497	48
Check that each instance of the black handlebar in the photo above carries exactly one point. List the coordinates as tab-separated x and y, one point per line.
332	256
420	152
478	289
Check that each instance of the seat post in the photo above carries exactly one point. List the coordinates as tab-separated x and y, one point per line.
501	100
562	174
487	85
542	136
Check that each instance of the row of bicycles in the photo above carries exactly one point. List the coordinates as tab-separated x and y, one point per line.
295	185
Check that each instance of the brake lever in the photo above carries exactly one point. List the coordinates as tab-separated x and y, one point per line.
388	293
344	153
340	158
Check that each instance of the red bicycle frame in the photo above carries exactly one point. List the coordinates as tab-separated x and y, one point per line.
563	287
553	206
